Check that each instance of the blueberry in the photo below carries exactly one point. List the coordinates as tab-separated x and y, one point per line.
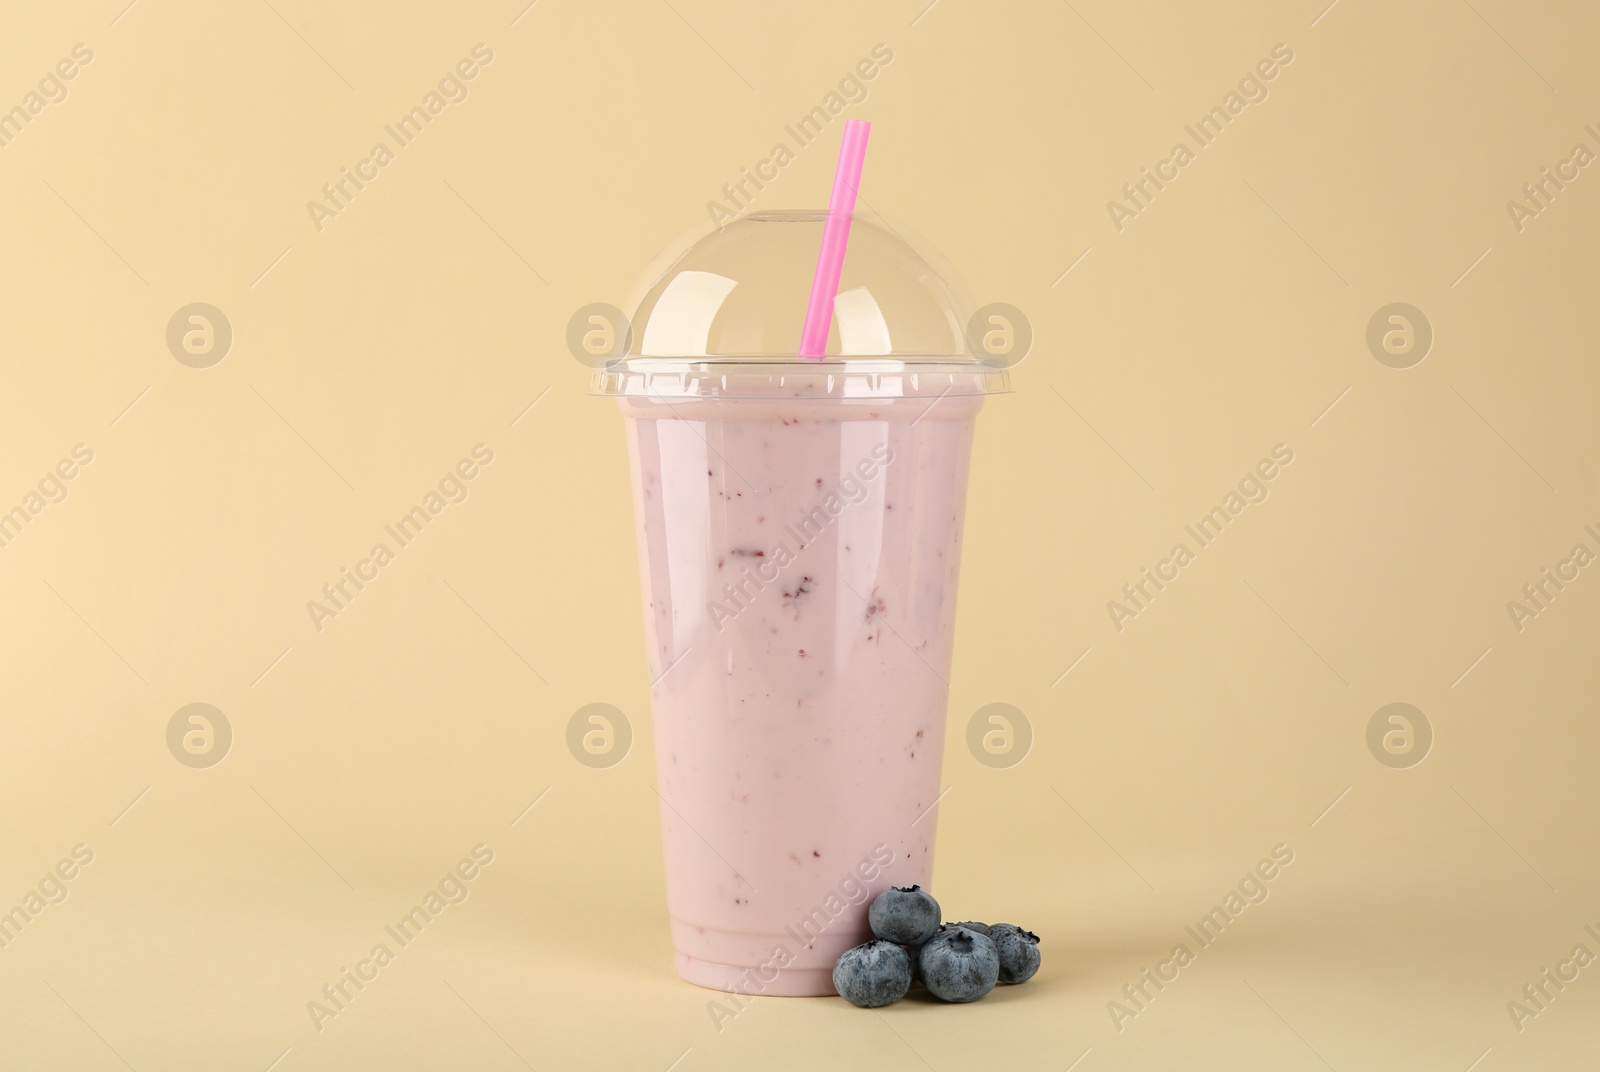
904	915
959	965
1019	952
872	974
915	953
976	928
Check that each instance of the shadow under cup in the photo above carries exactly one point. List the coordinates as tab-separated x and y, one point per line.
799	532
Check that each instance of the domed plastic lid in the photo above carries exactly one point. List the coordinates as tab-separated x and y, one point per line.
729	307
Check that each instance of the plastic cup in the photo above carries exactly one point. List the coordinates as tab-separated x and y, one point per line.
799	532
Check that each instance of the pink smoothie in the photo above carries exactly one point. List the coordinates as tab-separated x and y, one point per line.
799	550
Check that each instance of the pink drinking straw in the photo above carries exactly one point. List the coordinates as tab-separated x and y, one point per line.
835	236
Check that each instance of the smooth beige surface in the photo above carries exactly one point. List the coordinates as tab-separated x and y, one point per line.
372	355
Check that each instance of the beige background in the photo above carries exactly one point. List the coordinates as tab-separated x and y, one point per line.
370	356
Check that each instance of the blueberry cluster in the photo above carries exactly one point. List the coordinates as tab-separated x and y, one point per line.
955	961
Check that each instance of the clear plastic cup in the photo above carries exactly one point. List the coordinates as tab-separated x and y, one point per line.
799	530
